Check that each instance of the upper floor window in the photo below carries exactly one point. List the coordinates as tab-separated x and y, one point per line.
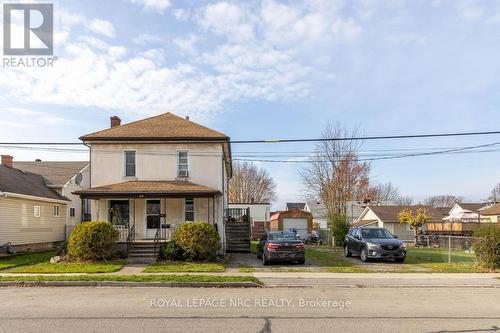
130	163
72	212
182	164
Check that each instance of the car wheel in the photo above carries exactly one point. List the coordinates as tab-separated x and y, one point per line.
302	262
264	261
347	253
399	259
364	255
259	256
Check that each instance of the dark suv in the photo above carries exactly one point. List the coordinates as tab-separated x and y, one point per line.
374	243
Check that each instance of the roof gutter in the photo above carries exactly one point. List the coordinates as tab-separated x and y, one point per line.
32	197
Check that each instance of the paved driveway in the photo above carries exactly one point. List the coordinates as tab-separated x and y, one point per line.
250	261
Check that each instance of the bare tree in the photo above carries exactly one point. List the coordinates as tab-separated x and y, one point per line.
335	175
403	200
251	184
445	200
495	194
384	192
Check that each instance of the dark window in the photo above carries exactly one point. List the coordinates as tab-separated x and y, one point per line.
153	214
72	212
130	164
119	212
189	209
87	216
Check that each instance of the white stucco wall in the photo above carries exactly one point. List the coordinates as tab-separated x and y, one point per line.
157	162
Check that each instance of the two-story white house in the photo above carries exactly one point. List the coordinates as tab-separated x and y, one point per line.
149	176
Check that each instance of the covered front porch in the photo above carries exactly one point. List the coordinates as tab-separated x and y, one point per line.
150	211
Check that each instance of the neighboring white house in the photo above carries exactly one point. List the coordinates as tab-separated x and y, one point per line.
259	216
319	212
64	177
158	173
387	217
465	212
32	215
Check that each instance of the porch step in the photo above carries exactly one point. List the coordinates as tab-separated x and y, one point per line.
143	252
238	237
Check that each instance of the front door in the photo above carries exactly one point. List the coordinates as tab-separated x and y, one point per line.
153	208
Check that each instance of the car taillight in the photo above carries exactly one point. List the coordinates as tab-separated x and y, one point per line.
299	246
272	246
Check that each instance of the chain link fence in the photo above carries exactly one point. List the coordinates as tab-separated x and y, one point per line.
451	249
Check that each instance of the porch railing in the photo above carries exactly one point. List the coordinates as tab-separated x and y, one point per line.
161	237
130	237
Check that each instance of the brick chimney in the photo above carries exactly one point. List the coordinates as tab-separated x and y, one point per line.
115	121
7	161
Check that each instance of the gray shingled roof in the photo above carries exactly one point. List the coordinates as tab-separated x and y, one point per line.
54	173
21	182
295	205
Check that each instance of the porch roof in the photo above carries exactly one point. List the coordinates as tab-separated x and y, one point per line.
148	189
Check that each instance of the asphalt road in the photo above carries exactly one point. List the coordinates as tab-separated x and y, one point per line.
319	309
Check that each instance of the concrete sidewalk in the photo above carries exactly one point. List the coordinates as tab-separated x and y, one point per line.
317	279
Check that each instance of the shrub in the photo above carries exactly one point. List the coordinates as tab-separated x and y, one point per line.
62	249
339	228
92	241
487	247
171	251
198	240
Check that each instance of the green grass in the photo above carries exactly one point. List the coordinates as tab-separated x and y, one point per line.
85	267
428	255
25	259
246	268
133	278
332	262
180	266
253	247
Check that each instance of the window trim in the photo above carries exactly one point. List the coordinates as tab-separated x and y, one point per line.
194	210
35	207
54	210
188	158
125	151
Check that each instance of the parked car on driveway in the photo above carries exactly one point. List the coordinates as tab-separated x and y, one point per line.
374	243
280	246
313	238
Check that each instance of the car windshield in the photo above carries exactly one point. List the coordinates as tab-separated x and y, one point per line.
376	233
282	235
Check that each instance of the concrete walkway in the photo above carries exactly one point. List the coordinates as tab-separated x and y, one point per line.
311	279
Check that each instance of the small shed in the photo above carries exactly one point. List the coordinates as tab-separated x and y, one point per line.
297	219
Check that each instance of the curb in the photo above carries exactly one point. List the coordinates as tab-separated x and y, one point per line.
400	286
129	284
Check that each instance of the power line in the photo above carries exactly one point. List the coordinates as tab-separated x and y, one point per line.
387	137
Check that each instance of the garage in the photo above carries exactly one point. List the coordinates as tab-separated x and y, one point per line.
292	219
296	223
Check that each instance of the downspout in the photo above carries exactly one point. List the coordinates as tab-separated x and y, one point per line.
90	184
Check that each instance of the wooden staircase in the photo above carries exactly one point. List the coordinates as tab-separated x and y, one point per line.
238	237
142	252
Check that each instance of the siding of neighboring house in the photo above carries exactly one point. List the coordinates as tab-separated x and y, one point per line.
20	227
402	230
76	202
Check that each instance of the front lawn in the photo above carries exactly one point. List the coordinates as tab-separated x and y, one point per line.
438	255
71	267
133	278
181	266
25	259
332	262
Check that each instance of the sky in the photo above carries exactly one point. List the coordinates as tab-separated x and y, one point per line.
276	69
